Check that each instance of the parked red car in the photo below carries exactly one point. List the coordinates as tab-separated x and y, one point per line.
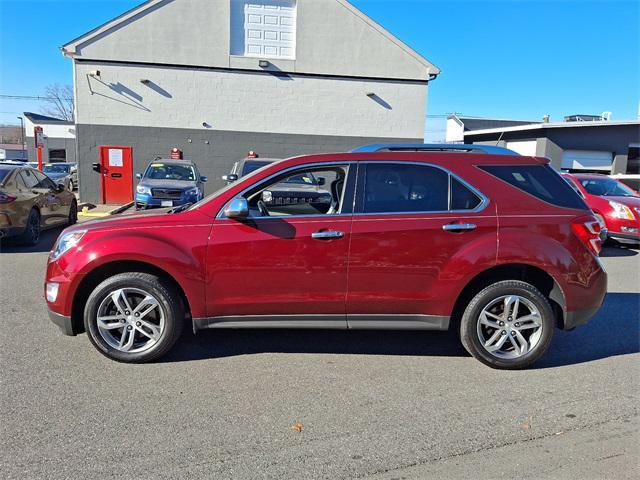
497	246
616	206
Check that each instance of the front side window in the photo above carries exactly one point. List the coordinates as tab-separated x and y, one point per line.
315	191
398	188
263	28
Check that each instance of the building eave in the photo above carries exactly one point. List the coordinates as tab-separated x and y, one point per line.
545	126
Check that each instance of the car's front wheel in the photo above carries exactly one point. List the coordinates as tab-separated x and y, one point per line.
134	317
508	325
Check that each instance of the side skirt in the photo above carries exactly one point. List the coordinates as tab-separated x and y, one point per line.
339	322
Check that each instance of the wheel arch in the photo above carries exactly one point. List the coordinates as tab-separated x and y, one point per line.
92	279
536	276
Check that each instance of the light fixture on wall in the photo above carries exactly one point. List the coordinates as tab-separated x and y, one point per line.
94	73
263	63
145	81
206	125
371	94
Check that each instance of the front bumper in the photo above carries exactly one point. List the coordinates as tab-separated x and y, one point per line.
64	323
624	237
147	201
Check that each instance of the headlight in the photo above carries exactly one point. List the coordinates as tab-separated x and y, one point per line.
192	191
141	189
621	211
65	242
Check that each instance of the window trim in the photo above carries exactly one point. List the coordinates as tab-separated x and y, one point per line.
353	165
359	203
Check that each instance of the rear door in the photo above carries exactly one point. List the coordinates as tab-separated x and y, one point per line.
416	232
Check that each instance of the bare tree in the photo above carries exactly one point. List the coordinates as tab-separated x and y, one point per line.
59	100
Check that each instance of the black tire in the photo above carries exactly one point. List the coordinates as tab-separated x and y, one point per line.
73	213
32	230
169	301
469	324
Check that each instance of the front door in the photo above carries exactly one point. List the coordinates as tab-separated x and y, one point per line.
116	175
286	264
410	238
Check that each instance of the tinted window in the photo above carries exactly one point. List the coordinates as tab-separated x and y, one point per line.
541	181
462	198
405	188
4	172
29	178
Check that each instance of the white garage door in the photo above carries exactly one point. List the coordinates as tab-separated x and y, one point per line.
523	147
264	28
587	160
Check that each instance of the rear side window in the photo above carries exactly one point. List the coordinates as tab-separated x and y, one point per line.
462	198
396	188
541	181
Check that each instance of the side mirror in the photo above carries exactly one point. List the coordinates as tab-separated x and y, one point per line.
60	188
238	208
322	181
232	177
203	178
139	176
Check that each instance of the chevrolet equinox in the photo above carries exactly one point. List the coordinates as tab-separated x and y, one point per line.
496	246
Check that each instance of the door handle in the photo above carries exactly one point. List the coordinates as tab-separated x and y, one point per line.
327	235
458	227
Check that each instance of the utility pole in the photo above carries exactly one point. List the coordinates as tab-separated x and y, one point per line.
22	137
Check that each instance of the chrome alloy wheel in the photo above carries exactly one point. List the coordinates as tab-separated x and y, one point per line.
509	327
130	320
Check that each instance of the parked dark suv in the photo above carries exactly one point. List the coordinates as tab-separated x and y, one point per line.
498	247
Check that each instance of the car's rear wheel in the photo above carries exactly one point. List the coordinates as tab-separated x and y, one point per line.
31	234
134	317
508	325
73	213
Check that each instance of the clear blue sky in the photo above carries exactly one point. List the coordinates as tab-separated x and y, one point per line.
507	59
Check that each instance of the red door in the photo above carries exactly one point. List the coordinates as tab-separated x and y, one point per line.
116	175
413	241
275	267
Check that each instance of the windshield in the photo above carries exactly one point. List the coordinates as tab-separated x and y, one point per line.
163	171
606	187
251	166
56	168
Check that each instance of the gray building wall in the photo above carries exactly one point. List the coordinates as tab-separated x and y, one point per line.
68	144
213	151
551	142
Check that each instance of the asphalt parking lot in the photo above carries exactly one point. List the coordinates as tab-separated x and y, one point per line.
392	405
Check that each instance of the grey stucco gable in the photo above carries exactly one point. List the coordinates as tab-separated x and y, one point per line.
333	37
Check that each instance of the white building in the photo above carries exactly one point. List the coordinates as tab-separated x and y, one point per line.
59	138
217	78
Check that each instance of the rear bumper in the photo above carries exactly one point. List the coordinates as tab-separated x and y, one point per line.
579	317
64	323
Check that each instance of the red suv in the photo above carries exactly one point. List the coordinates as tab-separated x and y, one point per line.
497	246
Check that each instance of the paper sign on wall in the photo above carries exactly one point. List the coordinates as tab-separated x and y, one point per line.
115	157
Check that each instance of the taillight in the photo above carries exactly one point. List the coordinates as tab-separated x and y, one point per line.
587	229
6	198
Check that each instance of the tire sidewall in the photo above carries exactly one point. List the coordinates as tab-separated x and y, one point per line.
172	315
470	319
28	234
73	213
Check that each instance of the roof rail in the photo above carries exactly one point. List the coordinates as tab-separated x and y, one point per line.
433	147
